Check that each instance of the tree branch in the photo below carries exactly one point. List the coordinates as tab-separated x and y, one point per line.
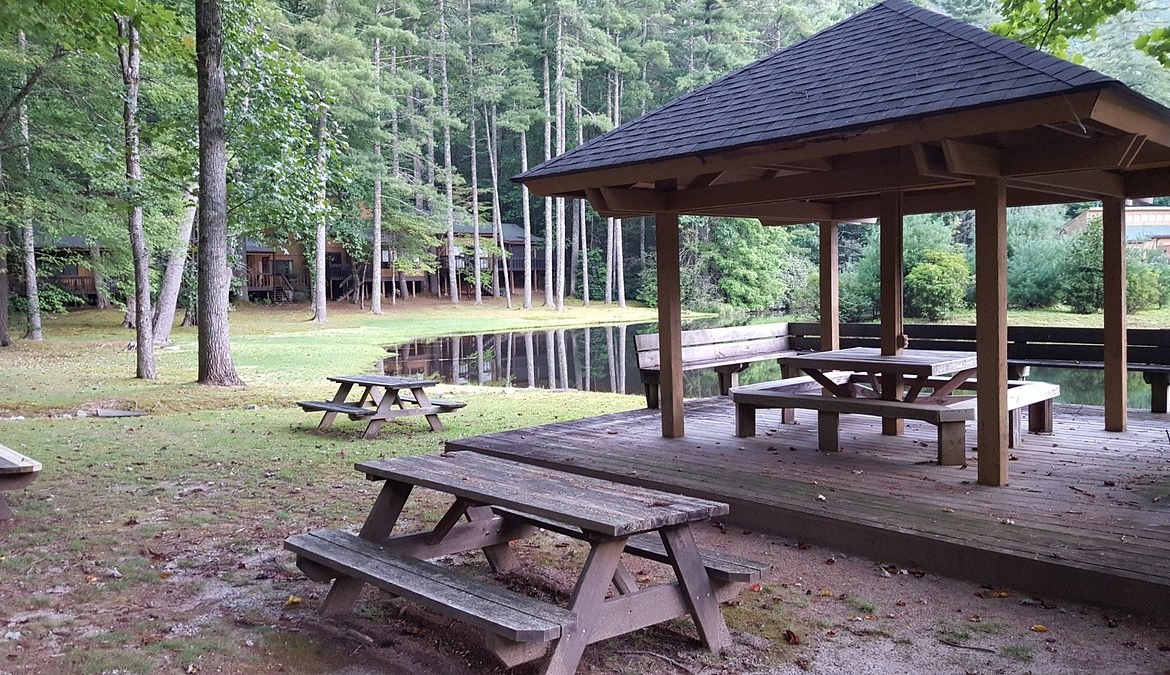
10	111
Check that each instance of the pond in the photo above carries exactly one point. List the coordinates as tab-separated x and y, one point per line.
603	358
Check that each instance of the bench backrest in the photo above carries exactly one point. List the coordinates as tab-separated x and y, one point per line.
718	344
1025	343
12	462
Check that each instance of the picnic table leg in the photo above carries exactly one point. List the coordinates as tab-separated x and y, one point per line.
1159	383
383	412
828	431
586	602
1014	430
420	395
696	587
342	394
378	526
952	441
501	557
1040	417
745	420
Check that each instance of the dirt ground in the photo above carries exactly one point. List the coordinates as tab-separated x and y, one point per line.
228	609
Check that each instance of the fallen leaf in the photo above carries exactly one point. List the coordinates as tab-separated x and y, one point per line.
756	587
826	593
1039	628
292	600
791	638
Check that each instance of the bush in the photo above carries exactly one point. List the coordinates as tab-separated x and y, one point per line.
1081	280
937	285
1034	272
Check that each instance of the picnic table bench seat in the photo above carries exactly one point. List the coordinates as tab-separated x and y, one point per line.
16	471
515	619
729	351
948	413
354	411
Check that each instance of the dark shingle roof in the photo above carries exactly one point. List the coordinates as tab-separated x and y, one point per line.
893	61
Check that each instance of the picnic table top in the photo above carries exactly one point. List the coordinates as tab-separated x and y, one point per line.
12	462
596	505
927	362
383	381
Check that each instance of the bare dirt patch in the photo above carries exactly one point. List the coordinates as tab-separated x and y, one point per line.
231	601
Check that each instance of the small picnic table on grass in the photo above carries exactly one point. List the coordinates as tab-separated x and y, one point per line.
383	398
504	501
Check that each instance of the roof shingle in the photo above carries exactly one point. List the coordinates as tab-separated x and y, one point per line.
893	61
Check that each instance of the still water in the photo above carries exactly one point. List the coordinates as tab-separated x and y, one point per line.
603	358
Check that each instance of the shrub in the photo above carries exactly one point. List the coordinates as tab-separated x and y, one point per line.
937	285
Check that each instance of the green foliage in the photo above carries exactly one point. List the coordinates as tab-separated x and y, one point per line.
52	300
1083	288
1142	290
1051	25
937	285
1036	250
1035	267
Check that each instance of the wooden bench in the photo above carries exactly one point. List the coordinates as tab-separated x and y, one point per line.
517	626
354	411
950	413
16	471
1148	350
728	350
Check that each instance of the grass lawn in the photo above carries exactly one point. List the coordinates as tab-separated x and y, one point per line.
137	523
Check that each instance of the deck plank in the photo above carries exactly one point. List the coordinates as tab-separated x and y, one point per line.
1086	515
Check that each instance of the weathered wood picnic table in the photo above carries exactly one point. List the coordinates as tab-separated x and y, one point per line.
861	380
504	501
383	398
16	471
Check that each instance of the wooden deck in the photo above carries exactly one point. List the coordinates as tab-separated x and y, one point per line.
1086	516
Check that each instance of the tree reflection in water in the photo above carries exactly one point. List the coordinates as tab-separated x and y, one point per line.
603	358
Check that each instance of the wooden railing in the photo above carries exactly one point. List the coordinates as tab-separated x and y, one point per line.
76	284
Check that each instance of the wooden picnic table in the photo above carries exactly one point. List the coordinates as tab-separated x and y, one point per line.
382	398
862	380
887	372
504	501
16	471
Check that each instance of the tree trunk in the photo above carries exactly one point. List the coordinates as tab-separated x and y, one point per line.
526	209
561	118
5	328
130	57
477	267
32	293
448	168
168	293
99	277
584	252
491	122
376	266
548	201
619	262
215	355
609	257
320	309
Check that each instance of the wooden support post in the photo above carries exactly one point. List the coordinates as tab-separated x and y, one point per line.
830	288
669	325
991	328
891	289
1116	368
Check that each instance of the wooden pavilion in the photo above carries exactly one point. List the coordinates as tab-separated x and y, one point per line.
895	111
